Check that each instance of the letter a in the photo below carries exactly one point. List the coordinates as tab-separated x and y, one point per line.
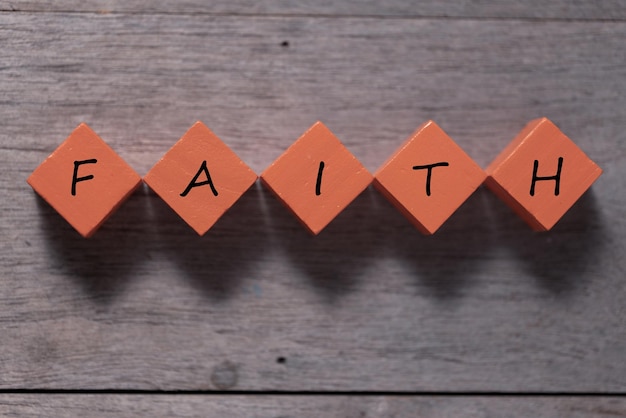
192	184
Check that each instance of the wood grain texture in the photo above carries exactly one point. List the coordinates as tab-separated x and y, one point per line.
102	405
533	9
369	304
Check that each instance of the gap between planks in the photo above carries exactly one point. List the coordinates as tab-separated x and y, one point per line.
451	394
318	16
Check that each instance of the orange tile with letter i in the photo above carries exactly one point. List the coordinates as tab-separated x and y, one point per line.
316	178
84	180
541	174
200	177
428	177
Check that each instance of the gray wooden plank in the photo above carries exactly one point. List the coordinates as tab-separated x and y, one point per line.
257	303
284	406
533	9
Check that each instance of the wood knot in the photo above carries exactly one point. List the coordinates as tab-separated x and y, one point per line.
224	375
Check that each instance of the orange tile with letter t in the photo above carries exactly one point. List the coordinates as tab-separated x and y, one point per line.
316	177
200	177
428	177
541	174
84	180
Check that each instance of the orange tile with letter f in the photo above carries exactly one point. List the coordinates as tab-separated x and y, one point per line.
200	177
541	174
316	178
84	180
428	177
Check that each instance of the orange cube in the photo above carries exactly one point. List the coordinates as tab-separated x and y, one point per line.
541	174
428	177
84	180
316	178
200	177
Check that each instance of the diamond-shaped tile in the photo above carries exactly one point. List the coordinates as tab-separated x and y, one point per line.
200	177
428	177
541	174
316	177
84	180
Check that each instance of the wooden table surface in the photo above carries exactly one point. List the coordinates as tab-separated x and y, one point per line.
257	318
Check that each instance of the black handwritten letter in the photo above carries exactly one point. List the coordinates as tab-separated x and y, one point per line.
318	184
76	179
429	167
192	184
556	177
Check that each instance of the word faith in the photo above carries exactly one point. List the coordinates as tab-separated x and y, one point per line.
540	175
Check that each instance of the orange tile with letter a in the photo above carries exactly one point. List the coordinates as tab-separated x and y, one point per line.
84	180
316	177
541	174
200	177
428	177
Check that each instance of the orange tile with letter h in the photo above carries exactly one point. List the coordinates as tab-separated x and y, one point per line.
541	174
200	177
428	177
316	178
84	180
